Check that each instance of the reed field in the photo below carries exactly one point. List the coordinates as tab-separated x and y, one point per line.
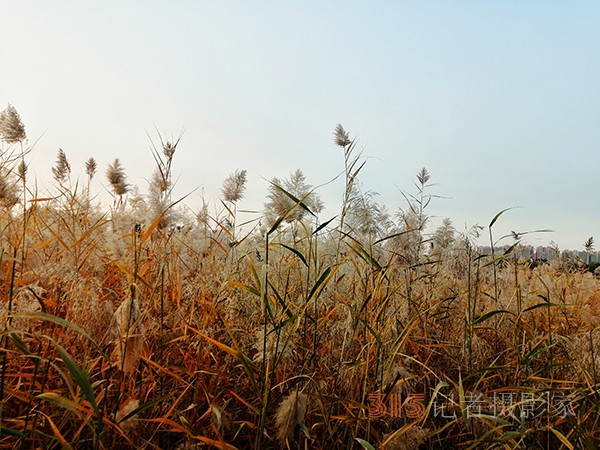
147	324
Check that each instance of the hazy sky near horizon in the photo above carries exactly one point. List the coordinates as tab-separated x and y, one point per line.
499	100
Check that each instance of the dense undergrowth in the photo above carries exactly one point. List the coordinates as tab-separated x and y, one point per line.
123	329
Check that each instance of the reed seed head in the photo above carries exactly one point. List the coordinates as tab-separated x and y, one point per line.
117	178
9	193
423	176
91	167
62	169
22	170
234	186
290	413
12	129
341	136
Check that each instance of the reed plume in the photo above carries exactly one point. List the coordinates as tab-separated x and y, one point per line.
129	340
22	170
90	168
118	180
161	184
234	186
9	189
12	129
341	136
290	413
280	204
62	169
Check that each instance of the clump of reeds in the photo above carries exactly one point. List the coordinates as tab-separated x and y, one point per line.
88	310
276	344
161	182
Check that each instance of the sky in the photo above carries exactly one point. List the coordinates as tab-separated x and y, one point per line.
499	100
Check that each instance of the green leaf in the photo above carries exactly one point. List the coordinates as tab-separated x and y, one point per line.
323	225
365	444
498	215
486	316
19	344
392	236
510	436
367	257
277	223
57	320
81	377
297	253
362	253
540	305
510	249
319	282
295	199
62	401
10	432
244	287
281	300
371	330
297	202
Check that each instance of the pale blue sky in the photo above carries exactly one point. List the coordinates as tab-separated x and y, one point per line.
499	100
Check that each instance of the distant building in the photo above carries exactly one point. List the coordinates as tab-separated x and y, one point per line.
542	253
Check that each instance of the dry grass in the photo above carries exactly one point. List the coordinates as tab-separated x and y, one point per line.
119	336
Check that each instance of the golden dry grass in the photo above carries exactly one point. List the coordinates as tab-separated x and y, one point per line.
122	337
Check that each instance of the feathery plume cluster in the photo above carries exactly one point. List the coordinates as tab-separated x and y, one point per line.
290	413
129	340
130	424
22	170
161	179
234	186
88	309
159	196
91	167
341	136
444	236
365	216
62	169
203	216
117	178
12	129
169	149
423	176
9	191
283	344
281	204
410	439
